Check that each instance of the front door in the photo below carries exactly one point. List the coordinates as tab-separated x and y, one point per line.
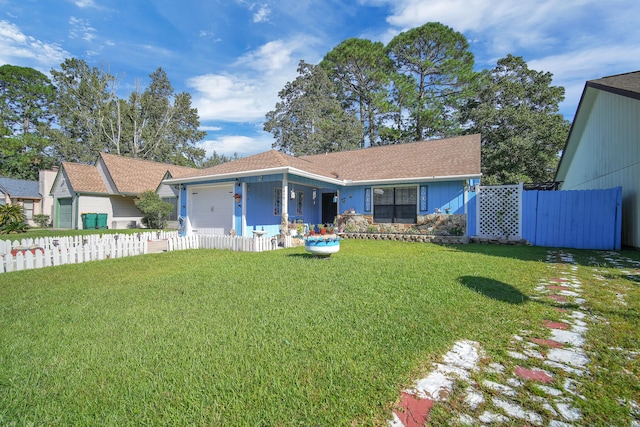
329	207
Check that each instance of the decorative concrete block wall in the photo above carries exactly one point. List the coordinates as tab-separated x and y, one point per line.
429	225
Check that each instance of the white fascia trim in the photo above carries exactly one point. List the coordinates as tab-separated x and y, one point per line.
231	175
322	178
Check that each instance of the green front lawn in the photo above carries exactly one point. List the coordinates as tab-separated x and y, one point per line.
34	233
207	337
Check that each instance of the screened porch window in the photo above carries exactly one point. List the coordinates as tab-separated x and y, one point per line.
174	202
395	205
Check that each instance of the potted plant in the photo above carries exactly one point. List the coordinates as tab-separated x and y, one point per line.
323	244
322	229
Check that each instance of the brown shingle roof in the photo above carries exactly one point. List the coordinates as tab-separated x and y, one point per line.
435	158
130	176
451	157
271	159
84	178
133	176
627	84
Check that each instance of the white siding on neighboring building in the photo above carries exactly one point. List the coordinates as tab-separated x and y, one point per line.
605	153
93	204
124	213
46	178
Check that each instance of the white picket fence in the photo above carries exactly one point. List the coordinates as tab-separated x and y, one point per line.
235	243
51	251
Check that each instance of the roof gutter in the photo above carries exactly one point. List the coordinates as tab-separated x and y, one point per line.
258	172
410	180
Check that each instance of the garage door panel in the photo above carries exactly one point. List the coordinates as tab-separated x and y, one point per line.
211	209
65	213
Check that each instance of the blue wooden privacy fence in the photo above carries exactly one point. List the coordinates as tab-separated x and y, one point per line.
580	219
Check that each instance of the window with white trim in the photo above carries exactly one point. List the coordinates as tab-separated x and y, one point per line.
277	201
27	206
395	205
299	203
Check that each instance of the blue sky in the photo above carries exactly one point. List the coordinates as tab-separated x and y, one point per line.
233	56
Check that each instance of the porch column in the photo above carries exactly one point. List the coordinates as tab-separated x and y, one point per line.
465	202
284	220
244	209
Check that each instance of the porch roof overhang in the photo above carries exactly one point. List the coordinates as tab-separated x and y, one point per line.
321	178
257	172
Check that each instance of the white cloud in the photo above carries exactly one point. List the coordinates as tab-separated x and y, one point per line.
242	145
505	26
502	25
80	28
247	95
572	69
413	13
16	47
209	35
85	3
230	98
262	15
271	57
480	15
210	128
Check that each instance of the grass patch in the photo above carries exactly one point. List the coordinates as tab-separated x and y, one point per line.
34	233
208	337
613	298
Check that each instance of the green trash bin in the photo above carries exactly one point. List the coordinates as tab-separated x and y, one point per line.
101	221
89	221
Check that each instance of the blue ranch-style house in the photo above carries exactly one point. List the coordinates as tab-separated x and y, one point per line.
389	184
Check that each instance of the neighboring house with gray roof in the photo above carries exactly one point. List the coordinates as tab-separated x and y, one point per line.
603	147
110	187
21	192
389	184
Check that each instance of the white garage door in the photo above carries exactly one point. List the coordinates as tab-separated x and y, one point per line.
211	209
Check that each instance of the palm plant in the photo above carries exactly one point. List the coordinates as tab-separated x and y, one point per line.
12	219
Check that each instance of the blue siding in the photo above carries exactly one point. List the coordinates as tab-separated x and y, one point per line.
258	198
442	195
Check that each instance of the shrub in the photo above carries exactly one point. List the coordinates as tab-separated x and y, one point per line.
12	220
155	212
42	220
